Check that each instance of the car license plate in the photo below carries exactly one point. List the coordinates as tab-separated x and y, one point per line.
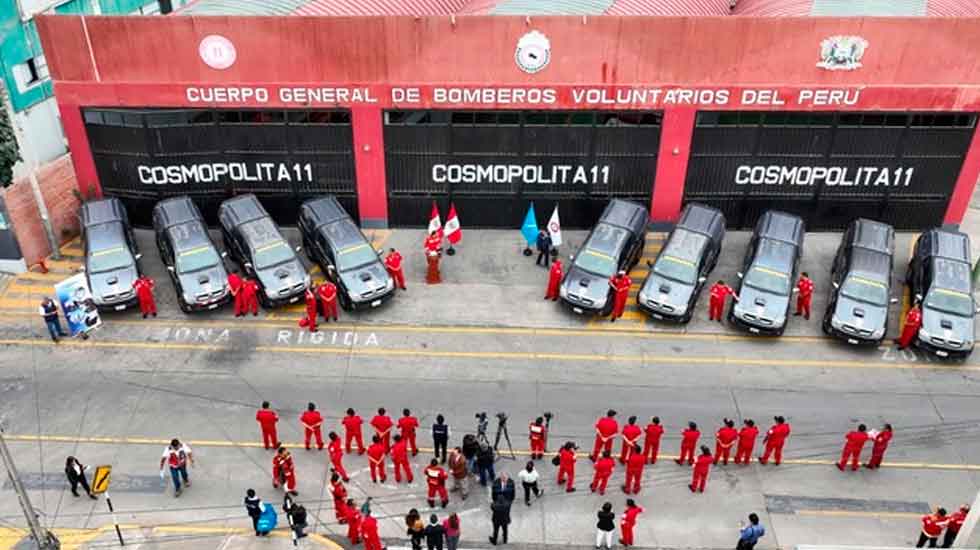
213	306
942	353
577	310
376	303
294	299
658	316
120	307
852	341
753	329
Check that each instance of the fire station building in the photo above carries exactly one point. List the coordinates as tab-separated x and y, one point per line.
747	108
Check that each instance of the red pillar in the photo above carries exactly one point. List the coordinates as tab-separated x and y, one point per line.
675	149
81	154
369	166
967	180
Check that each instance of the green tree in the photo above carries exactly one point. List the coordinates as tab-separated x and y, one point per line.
9	150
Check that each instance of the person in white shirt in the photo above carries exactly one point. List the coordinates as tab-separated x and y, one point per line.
177	455
529	480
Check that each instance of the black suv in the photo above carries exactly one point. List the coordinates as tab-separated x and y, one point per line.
333	240
677	276
939	278
615	243
195	266
861	279
256	243
768	274
111	255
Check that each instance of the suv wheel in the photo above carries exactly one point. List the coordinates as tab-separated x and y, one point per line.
264	300
825	325
183	305
345	301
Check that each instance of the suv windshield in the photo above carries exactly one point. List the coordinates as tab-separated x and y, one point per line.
355	256
272	254
950	301
676	269
196	259
865	290
109	259
767	280
596	262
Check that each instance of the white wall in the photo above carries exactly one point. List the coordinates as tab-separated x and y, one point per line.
43	134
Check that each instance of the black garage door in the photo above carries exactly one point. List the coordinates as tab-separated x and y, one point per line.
829	168
284	157
492	164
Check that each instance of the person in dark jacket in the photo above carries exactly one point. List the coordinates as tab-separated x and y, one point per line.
434	533
440	437
295	515
470	449
75	472
253	506
605	526
500	516
544	248
49	312
484	463
503	486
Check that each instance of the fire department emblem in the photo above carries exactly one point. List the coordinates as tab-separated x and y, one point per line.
217	52
533	52
842	53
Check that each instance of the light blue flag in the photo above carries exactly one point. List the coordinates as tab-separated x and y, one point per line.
530	227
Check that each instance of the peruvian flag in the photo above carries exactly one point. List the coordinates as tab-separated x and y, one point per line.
452	230
435	223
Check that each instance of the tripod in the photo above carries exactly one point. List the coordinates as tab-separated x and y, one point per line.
502	430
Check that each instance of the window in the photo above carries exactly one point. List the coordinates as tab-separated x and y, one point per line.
30	73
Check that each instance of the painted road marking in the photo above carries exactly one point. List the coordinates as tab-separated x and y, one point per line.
789	504
75	539
859	514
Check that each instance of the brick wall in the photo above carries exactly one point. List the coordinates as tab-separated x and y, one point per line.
58	185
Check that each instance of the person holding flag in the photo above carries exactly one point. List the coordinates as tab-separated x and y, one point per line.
452	230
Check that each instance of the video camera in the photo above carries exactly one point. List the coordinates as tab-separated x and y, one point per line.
501	418
481	424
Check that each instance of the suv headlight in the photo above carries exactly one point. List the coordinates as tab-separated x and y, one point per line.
306	280
924	334
188	299
642	296
835	321
389	284
563	291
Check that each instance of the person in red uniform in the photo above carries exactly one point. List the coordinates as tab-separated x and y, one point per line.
144	292
774	440
932	527
369	529
432	253
913	322
327	292
310	319
634	470
339	494
435	479
651	441
407	425
725	439
853	444
284	471
382	425
393	263
631	435
235	288
353	522
746	442
336	452
605	432
352	431
554	281
399	460
716	304
537	434
954	525
629	521
804	289
603	470
566	466
376	459
312	422
881	441
701	469
689	442
620	284
267	419
250	297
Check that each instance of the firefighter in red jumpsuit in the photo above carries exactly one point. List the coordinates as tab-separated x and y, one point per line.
407	425
353	522
312	422
393	263
369	528
339	494
853	445
554	281
435	479
310	319
566	466
631	435
267	419
701	469
144	292
537	434
376	460
327	292
716	304
746	442
620	284
352	431
913	322
774	440
605	432
284	471
432	254
725	439
634	470
932	527
235	288
689	442
382	425
804	288
250	297
629	521
651	441
399	460
603	471
336	452
880	446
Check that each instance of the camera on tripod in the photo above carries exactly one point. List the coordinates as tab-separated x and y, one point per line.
501	418
481	431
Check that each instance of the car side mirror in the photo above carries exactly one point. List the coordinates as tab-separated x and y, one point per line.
331	268
918	297
299	248
976	309
702	279
138	256
893	301
248	265
835	285
740	274
170	268
571	257
224	254
81	269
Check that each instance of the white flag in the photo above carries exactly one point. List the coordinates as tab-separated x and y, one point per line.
554	228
